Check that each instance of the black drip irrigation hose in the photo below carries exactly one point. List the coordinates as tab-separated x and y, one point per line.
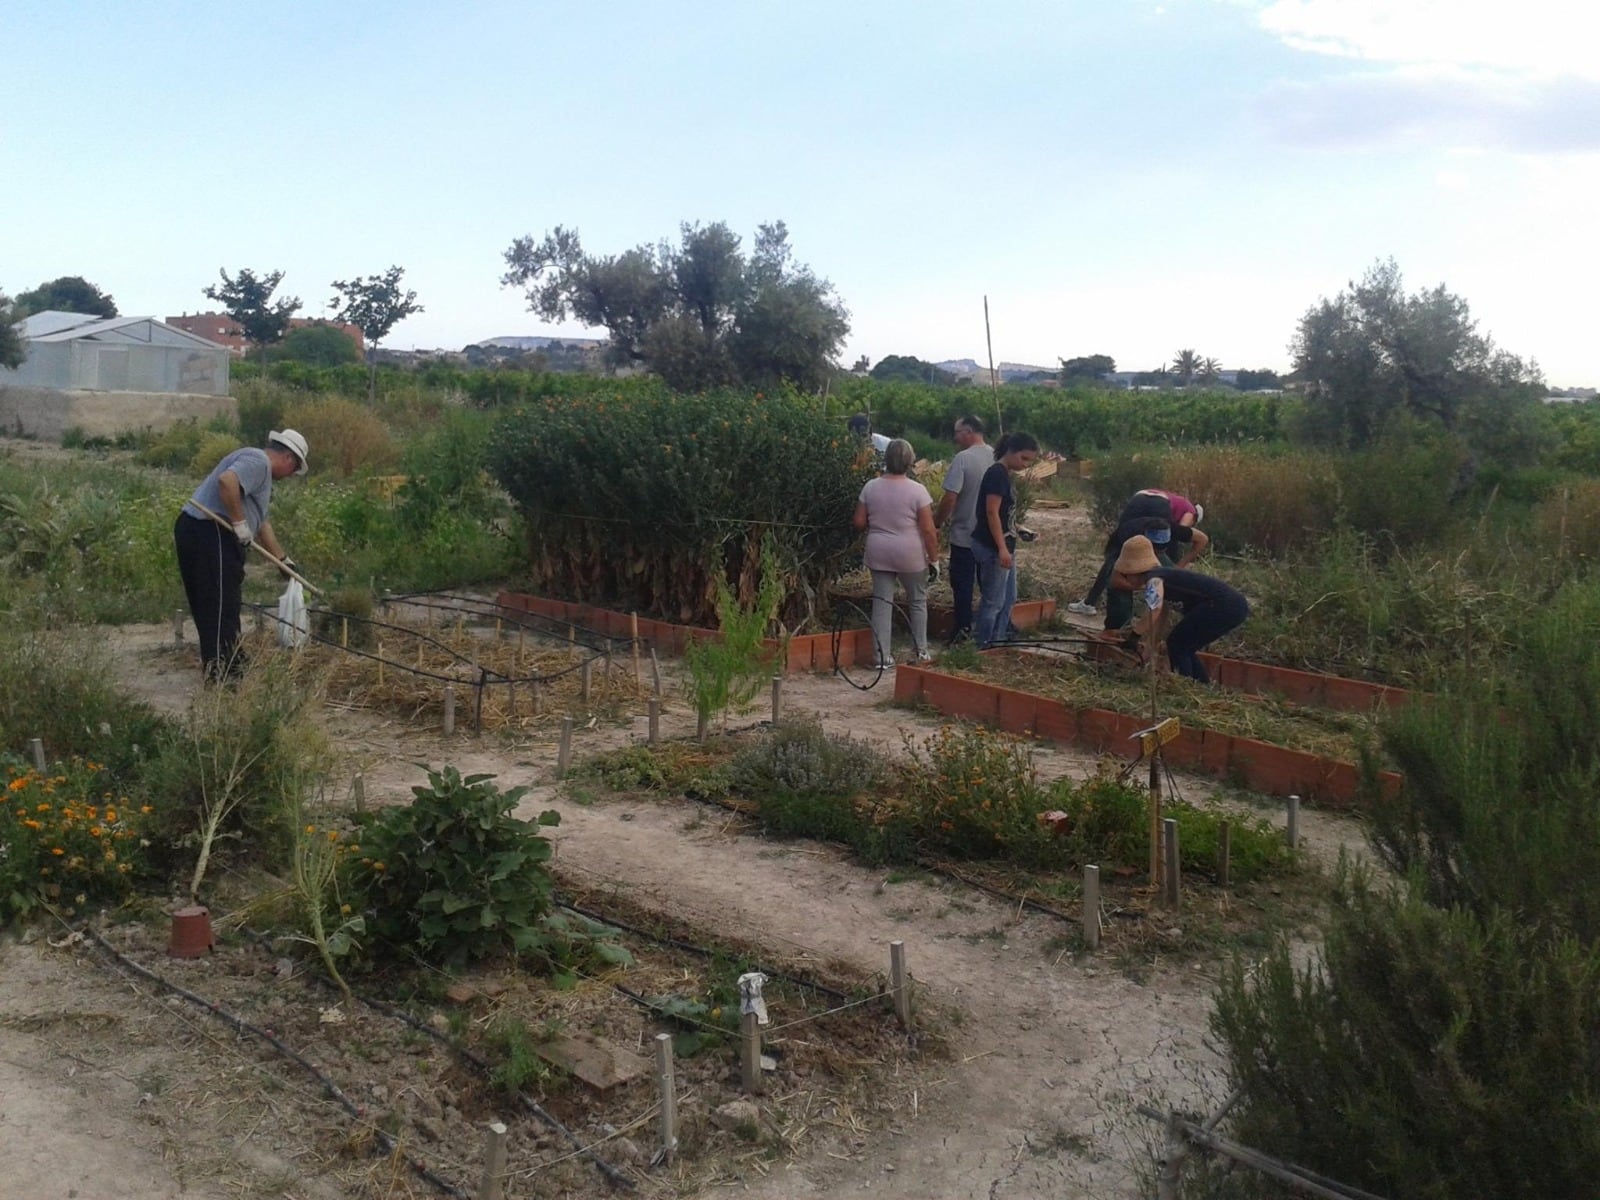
388	1142
614	1176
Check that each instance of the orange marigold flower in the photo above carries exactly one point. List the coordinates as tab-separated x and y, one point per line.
57	850
146	809
111	814
96	831
32	824
42	808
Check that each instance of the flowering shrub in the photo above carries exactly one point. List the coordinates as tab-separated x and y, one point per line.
65	839
973	793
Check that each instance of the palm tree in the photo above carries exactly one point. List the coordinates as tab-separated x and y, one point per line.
1210	368
1185	365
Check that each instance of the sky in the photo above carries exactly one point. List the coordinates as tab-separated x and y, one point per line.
1122	177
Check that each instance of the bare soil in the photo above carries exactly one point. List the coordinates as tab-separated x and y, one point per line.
107	1089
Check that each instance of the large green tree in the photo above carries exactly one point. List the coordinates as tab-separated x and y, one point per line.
908	368
699	314
12	349
1374	354
374	305
1186	365
318	345
247	298
1089	368
70	293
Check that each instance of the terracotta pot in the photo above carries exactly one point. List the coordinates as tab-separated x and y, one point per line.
191	933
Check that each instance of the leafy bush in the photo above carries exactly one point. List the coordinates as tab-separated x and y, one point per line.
645	501
66	838
1446	1042
261	409
453	877
973	793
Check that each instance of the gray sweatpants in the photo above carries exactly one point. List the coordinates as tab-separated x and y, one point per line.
916	586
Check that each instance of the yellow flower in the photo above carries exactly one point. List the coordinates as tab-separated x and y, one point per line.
311	828
111	814
146	809
377	866
96	832
32	824
333	835
42	808
344	910
57	850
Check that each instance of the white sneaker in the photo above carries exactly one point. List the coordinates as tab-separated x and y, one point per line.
924	657
881	665
1082	609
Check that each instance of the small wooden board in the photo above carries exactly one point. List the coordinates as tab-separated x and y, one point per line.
600	1064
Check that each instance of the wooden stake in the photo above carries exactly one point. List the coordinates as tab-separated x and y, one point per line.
777	699
655	720
449	709
1224	853
587	677
900	984
537	698
1091	907
1173	880
344	632
494	1164
1155	822
633	634
521	643
564	749
572	641
358	792
655	669
666	1087
177	625
750	1052
380	664
1291	829
36	748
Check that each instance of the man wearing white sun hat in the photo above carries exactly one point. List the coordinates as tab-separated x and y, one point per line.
211	556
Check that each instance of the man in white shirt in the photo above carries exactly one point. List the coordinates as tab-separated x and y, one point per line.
959	507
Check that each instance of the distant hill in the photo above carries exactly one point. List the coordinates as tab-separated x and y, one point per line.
511	342
967	368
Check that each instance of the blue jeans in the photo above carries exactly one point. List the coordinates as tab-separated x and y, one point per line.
963	580
999	587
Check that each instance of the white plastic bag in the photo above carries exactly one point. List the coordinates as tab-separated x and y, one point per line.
294	623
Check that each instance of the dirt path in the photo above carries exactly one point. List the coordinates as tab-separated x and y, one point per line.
1050	1053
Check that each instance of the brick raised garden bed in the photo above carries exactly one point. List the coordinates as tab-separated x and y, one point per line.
804	652
1260	766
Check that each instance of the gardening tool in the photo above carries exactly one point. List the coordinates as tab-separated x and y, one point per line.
268	554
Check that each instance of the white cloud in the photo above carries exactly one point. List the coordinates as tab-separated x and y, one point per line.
1540	38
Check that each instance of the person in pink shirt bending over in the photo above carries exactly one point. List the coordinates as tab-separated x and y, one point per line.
897	514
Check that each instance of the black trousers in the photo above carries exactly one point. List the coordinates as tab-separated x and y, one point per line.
963	581
211	562
1202	624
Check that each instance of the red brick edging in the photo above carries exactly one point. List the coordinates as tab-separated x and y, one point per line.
803	652
1260	766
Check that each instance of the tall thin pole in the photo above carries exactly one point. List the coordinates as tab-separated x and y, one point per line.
994	380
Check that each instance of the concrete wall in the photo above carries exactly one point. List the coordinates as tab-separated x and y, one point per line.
47	413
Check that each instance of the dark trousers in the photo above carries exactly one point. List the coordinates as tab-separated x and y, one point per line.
1202	624
211	562
963	581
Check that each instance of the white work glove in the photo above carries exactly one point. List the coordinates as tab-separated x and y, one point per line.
241	530
933	573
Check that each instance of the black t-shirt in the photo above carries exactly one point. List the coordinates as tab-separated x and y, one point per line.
996	482
1187	589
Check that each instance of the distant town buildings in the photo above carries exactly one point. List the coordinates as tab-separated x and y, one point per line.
224	330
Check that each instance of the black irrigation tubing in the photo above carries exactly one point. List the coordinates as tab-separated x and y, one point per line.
390	1145
616	1177
478	607
704	952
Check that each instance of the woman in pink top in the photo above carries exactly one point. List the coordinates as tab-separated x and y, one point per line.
897	513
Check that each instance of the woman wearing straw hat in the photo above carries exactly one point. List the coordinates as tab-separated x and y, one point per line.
1210	607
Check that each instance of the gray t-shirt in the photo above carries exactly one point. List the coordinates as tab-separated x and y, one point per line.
254	471
964	475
